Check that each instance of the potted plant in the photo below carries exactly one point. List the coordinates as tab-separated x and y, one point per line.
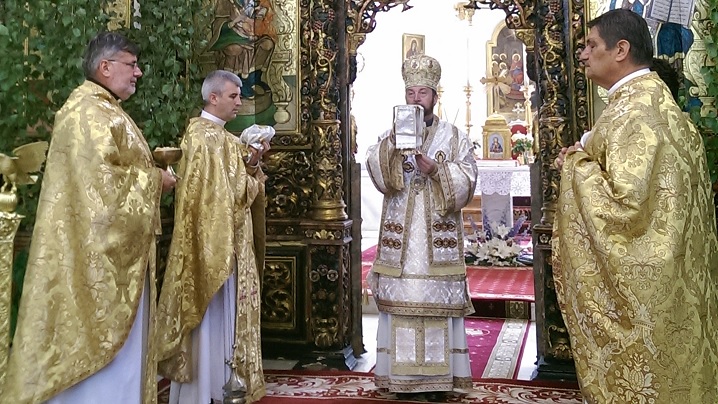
522	144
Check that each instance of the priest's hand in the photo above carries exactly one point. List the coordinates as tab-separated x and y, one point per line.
256	154
169	180
426	165
566	151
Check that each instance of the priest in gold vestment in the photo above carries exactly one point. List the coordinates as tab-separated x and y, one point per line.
210	297
83	331
635	250
419	275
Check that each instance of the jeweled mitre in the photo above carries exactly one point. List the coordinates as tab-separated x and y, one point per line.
421	70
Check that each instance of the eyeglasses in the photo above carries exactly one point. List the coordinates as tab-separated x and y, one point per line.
133	65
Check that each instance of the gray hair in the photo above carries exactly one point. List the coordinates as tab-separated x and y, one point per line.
214	83
104	46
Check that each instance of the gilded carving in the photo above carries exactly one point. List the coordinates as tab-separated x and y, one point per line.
361	20
697	57
284	62
528	37
519	13
558	342
554	60
121	12
556	127
545	238
326	276
279	297
322	76
346	296
327	198
324	234
289	184
576	34
362	13
9	223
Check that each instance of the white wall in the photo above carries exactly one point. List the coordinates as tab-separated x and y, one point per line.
379	86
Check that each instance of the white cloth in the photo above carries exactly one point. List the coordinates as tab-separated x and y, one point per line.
211	347
459	362
255	135
120	382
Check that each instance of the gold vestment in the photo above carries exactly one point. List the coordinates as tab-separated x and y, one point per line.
92	247
213	234
635	254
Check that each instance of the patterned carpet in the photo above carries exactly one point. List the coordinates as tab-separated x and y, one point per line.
345	388
495	346
288	387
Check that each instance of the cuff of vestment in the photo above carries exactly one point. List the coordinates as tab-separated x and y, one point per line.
435	172
251	170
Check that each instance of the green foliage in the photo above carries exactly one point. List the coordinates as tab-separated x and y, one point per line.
170	34
709	124
41	46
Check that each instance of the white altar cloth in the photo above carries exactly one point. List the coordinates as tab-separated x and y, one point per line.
497	183
503	180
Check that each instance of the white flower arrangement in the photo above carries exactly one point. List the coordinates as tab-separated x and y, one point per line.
495	246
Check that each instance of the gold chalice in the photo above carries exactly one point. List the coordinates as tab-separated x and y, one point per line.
165	157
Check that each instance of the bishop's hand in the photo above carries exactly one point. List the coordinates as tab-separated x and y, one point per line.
426	164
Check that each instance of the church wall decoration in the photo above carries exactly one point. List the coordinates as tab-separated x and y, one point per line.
505	73
259	41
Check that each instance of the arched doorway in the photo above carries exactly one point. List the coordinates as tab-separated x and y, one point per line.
563	114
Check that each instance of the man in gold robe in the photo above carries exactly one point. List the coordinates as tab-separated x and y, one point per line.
635	250
83	331
209	307
419	275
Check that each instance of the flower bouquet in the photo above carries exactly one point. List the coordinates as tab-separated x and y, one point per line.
495	245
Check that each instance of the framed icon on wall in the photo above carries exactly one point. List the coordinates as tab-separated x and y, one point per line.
412	44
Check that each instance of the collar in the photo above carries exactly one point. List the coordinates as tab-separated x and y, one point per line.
625	79
212	118
105	87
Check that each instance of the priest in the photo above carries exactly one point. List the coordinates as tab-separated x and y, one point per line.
419	275
209	308
635	251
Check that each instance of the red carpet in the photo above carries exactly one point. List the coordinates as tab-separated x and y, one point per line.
504	292
502	284
286	387
292	386
495	346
